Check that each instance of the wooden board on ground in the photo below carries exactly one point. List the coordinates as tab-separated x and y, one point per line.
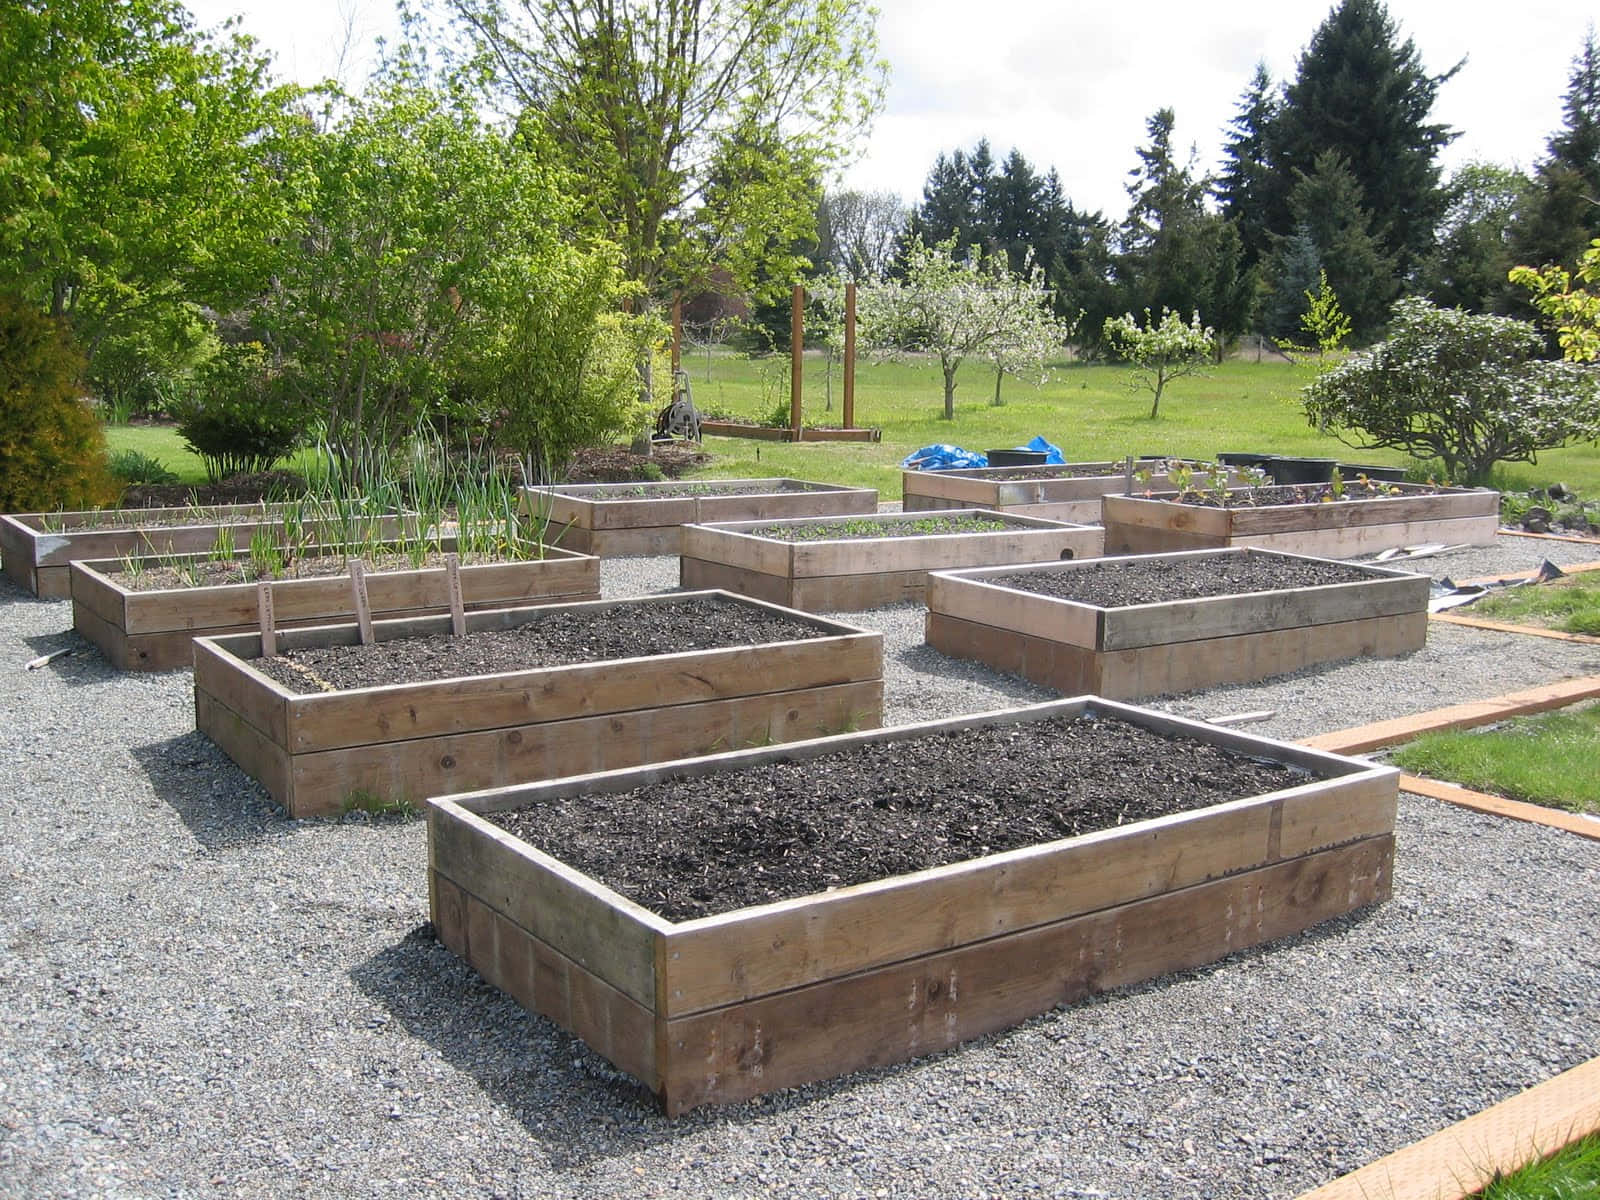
821	574
1173	646
726	1007
401	742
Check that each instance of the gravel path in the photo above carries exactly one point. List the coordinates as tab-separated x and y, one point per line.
202	998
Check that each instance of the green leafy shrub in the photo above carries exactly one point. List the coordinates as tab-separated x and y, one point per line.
134	467
52	450
239	419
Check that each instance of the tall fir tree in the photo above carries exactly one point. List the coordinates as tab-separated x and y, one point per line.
1160	264
1244	186
1362	92
1294	269
1327	204
1561	214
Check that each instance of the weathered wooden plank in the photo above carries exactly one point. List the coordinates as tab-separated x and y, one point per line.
360	716
701	573
587	923
907	1009
241	687
1457	716
738	548
254	753
724	960
971	596
413	769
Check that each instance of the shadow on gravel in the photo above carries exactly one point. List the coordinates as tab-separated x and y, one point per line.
574	1103
81	666
925	660
222	806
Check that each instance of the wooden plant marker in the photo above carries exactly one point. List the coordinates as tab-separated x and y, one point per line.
358	589
458	608
269	634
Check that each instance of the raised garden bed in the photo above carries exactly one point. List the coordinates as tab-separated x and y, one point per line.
756	997
645	518
1303	520
1158	624
784	433
1063	492
36	548
530	693
827	564
141	629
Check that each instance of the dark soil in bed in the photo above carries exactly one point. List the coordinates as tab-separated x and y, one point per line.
1154	580
666	491
1303	493
856	528
556	637
688	848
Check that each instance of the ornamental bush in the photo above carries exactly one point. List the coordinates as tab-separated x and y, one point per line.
52	450
1469	390
239	419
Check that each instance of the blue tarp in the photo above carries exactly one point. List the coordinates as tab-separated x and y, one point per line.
945	457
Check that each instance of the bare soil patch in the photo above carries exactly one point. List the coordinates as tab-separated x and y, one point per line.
688	848
1151	581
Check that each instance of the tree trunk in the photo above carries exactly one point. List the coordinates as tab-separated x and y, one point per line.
998	376
949	394
1161	382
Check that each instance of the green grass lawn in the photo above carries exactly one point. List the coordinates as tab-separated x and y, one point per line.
1572	1173
1571	604
1088	411
1545	759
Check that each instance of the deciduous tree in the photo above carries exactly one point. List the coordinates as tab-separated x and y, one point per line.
1160	351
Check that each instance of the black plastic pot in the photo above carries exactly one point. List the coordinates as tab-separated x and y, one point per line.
1381	474
1017	458
1302	470
1261	462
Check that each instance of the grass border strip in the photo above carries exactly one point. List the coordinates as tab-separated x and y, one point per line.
1501	806
1362	738
1460	1159
1504	627
1517	576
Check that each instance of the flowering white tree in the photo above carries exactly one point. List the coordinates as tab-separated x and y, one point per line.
960	307
1160	351
1470	390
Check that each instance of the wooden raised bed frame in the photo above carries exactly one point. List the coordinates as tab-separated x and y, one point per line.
723	1008
785	433
1339	529
864	572
403	742
155	630
1173	646
1043	492
37	558
640	518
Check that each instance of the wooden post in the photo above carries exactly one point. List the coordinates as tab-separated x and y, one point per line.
458	608
677	335
358	591
797	339
849	356
269	634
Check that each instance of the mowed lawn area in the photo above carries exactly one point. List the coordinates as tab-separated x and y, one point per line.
1089	411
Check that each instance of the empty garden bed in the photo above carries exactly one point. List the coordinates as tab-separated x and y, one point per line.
1158	624
1334	522
645	518
748	921
527	694
826	565
1062	492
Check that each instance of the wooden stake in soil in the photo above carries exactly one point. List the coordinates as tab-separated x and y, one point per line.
458	609
269	633
358	590
1127	467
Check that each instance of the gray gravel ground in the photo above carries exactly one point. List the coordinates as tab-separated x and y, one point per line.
203	998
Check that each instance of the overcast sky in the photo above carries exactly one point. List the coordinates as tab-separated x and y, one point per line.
1071	84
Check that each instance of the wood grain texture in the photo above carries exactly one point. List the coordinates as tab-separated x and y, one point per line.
929	1004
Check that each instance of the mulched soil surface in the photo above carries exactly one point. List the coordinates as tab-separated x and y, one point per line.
555	637
856	528
618	464
215	573
1050	472
1303	493
688	848
239	489
708	487
1153	580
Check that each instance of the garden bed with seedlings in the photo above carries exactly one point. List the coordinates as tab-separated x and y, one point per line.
1345	519
334	717
1160	624
828	565
144	613
726	926
36	548
646	518
1063	492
